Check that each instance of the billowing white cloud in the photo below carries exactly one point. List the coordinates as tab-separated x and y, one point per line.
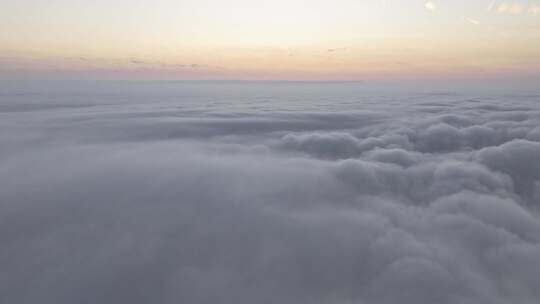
266	193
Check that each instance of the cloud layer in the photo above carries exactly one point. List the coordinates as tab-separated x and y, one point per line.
267	193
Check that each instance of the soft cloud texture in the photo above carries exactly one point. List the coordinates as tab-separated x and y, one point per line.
267	193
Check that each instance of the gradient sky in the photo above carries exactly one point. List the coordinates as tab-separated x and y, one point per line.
278	39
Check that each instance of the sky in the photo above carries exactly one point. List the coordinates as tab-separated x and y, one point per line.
278	39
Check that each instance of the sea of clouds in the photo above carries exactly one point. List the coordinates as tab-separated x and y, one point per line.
267	193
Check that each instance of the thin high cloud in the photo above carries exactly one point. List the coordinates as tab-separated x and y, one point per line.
278	193
85	62
430	6
515	8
